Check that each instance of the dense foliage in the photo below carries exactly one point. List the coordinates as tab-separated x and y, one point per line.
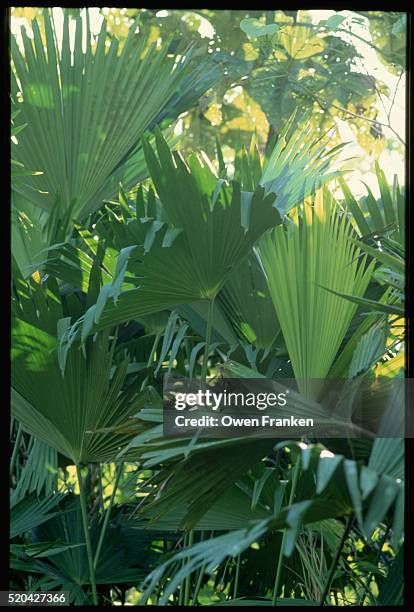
180	208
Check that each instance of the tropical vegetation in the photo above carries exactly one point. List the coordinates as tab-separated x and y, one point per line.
182	205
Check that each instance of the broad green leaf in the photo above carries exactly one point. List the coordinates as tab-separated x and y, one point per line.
313	320
86	114
64	410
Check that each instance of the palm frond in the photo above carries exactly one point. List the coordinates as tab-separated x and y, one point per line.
329	487
65	411
376	217
299	261
97	104
31	511
293	168
211	227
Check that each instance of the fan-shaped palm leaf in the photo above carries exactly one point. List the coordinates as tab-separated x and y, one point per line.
86	111
293	168
211	227
376	217
381	224
300	261
65	411
76	143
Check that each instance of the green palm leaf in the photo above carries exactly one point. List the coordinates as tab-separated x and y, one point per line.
299	261
31	511
328	487
86	114
298	164
65	411
292	168
378	216
246	301
83	117
211	227
127	555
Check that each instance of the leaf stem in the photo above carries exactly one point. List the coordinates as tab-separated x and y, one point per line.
87	535
282	546
107	514
198	585
208	339
190	542
199	577
378	556
335	561
237	577
203	378
151	359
